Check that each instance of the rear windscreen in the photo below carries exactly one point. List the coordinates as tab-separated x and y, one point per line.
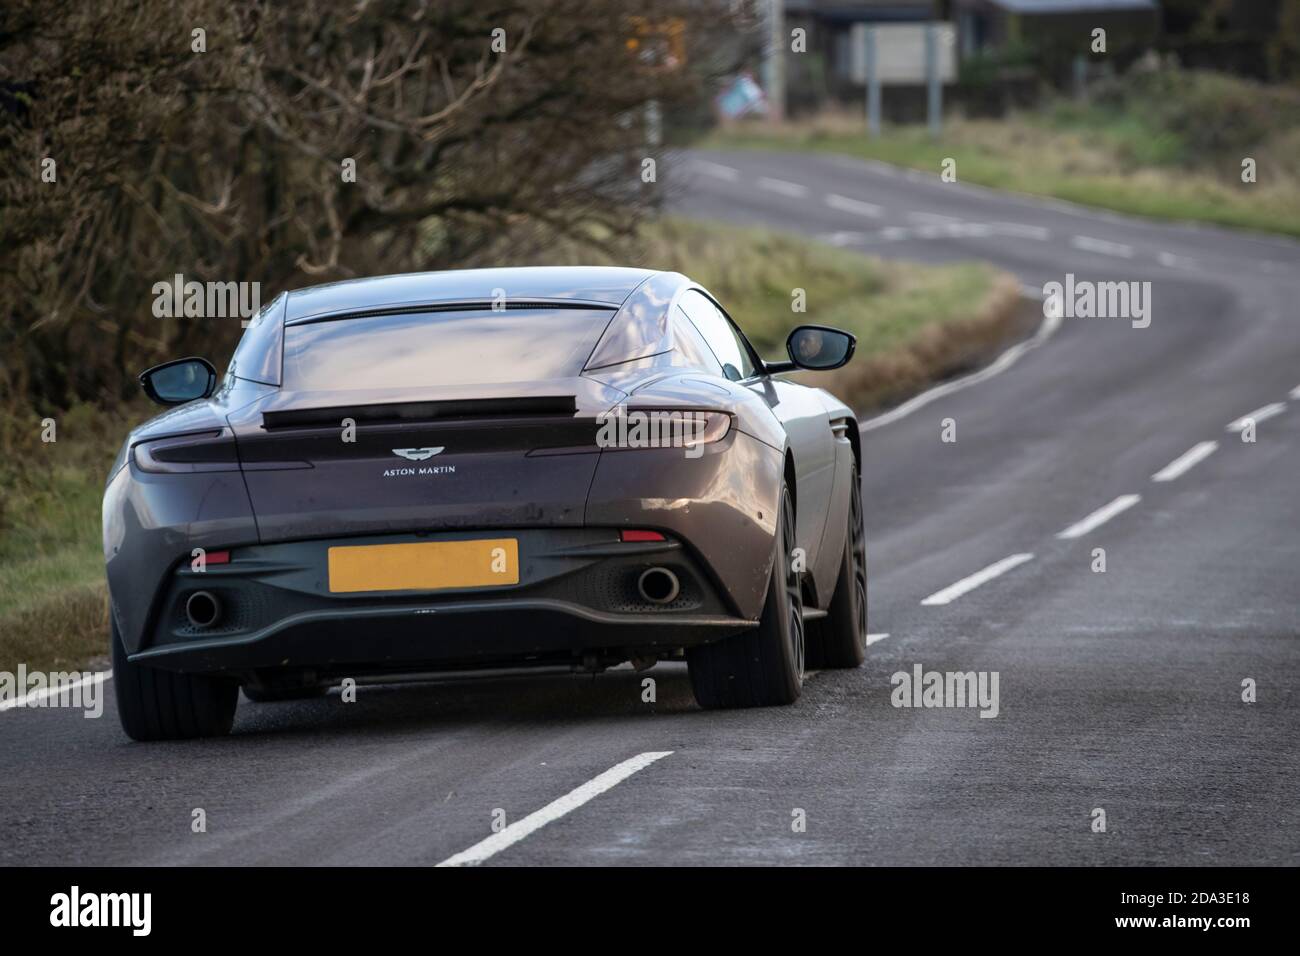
440	348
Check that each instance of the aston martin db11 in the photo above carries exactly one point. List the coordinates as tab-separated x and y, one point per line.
484	470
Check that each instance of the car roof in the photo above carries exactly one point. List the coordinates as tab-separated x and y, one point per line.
595	285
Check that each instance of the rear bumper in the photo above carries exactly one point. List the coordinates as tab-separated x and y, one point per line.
576	599
468	635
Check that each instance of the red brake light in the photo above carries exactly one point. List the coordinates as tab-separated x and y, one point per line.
641	536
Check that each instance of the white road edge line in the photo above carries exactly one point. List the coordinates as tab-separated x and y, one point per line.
874	638
1186	461
1259	415
1102	246
856	206
1295	392
954	591
516	831
1046	329
784	187
37	696
1099	517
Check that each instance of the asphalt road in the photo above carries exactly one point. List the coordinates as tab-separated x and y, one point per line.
1119	691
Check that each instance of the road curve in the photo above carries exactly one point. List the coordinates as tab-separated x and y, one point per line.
1119	691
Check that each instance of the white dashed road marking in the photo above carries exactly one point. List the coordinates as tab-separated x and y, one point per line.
1102	246
954	591
1258	415
1172	261
717	170
1186	461
1295	392
873	638
793	190
855	206
1099	517
566	804
1019	229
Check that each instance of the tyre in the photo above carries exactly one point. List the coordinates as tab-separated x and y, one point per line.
155	704
840	638
261	694
762	667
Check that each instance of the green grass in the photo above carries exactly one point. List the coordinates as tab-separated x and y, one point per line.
1165	145
52	604
914	323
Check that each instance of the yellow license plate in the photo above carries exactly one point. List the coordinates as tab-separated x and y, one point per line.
424	565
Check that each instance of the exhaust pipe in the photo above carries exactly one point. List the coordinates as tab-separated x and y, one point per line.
658	586
203	609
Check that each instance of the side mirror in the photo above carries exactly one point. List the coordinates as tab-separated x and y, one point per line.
179	381
819	347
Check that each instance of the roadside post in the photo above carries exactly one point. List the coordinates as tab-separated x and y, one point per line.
774	59
873	82
934	99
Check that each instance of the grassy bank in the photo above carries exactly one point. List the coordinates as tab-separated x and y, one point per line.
1167	145
914	324
53	614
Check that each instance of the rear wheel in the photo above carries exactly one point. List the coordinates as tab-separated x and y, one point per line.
156	704
840	638
762	667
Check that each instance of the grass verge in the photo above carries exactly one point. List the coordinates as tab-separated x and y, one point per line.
914	323
1168	145
53	608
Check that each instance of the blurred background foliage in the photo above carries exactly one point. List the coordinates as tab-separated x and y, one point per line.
225	165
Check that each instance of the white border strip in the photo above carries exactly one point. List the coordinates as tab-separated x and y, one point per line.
554	810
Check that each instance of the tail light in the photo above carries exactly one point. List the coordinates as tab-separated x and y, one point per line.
185	454
661	428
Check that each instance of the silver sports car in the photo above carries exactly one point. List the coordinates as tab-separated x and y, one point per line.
479	470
